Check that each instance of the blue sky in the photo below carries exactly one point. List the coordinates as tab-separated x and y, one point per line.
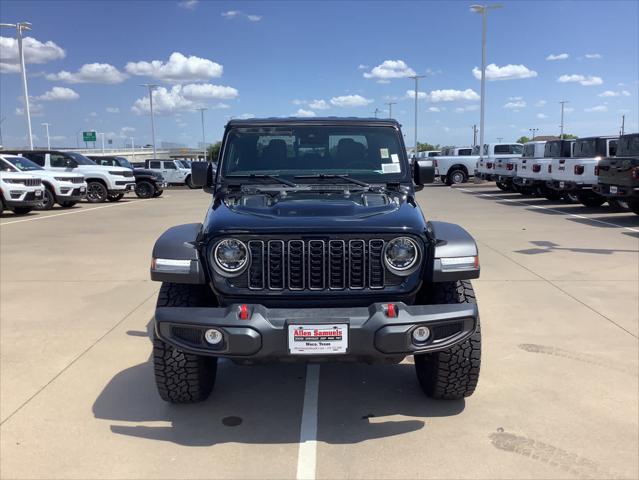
86	59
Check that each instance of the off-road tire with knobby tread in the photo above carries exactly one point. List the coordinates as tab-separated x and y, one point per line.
502	186
453	373
182	377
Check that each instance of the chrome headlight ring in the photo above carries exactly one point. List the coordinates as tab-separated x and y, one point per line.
230	257
402	255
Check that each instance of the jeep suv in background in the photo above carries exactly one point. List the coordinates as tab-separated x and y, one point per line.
147	182
19	192
64	189
538	169
523	165
103	183
578	175
618	176
174	173
314	248
495	160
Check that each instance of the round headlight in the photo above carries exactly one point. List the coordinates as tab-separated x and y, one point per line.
231	256
401	255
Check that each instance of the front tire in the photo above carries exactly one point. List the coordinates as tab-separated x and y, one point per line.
453	373
96	192
189	182
182	377
158	193
48	200
145	189
115	197
455	177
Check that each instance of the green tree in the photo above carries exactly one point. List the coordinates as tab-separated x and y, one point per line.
214	151
523	139
423	147
569	136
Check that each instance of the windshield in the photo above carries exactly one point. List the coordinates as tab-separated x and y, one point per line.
80	159
124	163
372	153
586	148
628	146
184	163
23	164
529	150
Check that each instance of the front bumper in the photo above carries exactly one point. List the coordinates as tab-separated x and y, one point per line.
616	191
372	334
25	199
123	186
72	193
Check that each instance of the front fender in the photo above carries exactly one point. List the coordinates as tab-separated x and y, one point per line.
176	258
452	241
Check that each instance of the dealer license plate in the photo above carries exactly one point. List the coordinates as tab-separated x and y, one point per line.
318	339
613	189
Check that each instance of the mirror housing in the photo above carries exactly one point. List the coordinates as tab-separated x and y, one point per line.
423	172
202	175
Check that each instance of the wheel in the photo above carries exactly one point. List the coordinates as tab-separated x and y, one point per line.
67	204
48	200
590	199
115	197
502	186
617	205
22	210
144	189
182	377
189	182
96	192
456	176
549	193
158	193
1	206
570	198
453	373
443	178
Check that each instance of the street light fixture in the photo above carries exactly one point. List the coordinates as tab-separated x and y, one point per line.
533	131
47	125
151	88
416	78
483	11
203	138
390	108
20	27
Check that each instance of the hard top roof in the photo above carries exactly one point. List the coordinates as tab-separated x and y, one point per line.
312	121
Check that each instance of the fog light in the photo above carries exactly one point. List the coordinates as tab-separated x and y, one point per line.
421	334
213	336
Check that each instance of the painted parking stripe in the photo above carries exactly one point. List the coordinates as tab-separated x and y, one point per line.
547	208
75	211
307	453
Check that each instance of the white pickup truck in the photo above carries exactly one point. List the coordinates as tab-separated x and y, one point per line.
494	163
456	164
532	150
535	173
578	175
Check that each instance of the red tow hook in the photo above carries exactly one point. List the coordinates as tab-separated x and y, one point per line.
244	312
391	311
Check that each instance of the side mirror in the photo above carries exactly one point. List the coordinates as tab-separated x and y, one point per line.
69	163
423	172
202	175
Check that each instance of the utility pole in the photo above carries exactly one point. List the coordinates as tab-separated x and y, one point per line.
416	78
533	131
483	10
390	108
561	136
203	138
1	121
474	135
20	27
46	125
623	124
377	110
102	135
151	88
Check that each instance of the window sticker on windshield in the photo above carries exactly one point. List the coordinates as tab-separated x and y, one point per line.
391	168
395	158
383	152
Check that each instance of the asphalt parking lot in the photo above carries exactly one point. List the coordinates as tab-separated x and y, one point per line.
557	398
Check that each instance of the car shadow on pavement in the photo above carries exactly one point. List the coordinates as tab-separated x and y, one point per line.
543	246
619	220
262	404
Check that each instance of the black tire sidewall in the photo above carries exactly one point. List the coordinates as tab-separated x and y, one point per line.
50	200
142	186
104	193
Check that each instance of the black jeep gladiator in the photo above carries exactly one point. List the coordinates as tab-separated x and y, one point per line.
618	176
314	249
147	182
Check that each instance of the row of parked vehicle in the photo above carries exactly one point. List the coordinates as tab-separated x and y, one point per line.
39	179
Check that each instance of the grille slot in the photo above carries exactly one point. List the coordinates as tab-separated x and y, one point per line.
316	263
375	262
296	263
256	270
337	264
276	264
356	264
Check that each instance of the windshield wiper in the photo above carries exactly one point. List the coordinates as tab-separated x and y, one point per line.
322	176
267	177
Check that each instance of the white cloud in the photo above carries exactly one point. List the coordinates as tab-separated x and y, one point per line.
540	103
389	69
434	109
304	113
593	55
507	72
542	116
319	105
112	110
515	104
127	130
179	68
611	93
91	73
361	66
450	95
93	114
350	101
569	110
34	52
598	108
467	108
208	90
188	4
164	101
586	81
420	95
561	56
246	116
231	14
58	94
35	109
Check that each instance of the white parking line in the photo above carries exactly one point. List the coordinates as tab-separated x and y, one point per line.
307	454
75	211
547	208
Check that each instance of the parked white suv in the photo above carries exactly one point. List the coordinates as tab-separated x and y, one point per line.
19	192
103	183
173	171
538	170
532	150
64	189
456	164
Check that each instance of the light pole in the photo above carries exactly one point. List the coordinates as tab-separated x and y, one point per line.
533	131
47	125
377	110
561	136
151	87
474	135
102	135
416	78
203	138
20	27
483	10
390	108
1	122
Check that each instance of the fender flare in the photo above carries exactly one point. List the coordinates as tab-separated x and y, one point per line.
178	243
451	241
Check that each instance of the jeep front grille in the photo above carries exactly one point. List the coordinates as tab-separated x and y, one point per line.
316	265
